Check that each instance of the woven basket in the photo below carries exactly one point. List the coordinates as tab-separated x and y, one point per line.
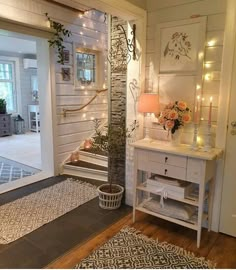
110	201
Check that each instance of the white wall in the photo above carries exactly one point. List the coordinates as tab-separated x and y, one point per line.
162	11
88	31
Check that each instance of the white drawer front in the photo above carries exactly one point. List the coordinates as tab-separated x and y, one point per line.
166	170
194	170
167	159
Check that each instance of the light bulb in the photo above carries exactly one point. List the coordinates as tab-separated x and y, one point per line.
207	65
207	76
211	43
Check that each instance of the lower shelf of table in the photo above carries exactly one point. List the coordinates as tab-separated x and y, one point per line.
192	224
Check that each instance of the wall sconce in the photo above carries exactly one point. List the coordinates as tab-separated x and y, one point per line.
119	53
131	44
148	103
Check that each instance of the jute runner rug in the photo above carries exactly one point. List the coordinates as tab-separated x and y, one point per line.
28	213
133	250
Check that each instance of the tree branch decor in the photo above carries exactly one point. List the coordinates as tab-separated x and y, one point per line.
57	41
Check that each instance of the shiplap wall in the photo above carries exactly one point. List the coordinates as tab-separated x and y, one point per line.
89	31
162	11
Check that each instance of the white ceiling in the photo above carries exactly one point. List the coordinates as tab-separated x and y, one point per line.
17	45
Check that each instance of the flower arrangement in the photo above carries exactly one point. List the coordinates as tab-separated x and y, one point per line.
174	116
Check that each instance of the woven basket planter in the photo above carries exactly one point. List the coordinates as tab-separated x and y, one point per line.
110	201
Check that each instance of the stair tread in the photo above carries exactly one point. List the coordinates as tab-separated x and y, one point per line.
101	153
84	164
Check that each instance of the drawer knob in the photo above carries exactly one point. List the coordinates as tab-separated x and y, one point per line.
166	159
166	171
4	125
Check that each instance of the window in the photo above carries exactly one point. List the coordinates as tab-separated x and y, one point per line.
86	67
7	84
89	68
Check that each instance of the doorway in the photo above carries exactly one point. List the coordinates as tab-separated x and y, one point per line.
23	154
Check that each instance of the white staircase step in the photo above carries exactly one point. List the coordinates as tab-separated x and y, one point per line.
85	172
93	158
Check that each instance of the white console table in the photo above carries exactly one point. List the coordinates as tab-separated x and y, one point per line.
34	118
180	163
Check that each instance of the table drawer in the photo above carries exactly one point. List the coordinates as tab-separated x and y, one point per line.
167	170
167	159
5	118
4	125
4	132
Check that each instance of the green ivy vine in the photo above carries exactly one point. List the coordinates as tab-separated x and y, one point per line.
58	38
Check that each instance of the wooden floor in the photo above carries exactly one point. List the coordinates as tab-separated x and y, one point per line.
216	247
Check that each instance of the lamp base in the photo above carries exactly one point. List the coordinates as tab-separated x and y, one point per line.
147	137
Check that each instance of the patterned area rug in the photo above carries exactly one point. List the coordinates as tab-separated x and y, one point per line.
28	213
11	170
130	249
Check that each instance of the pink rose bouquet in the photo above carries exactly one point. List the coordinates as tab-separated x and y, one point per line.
174	116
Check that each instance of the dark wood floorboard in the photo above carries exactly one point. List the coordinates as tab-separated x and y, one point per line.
216	247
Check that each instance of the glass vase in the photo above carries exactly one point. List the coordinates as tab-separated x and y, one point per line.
176	137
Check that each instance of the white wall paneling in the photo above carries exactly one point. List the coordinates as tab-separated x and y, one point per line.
71	138
163	11
71	128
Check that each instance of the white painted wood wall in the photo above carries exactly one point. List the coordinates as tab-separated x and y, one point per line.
88	31
162	11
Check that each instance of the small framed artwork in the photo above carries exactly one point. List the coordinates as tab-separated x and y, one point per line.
180	46
65	72
66	56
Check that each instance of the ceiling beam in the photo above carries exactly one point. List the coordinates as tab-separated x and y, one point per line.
65	6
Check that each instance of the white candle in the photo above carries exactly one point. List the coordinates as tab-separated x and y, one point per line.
196	115
210	111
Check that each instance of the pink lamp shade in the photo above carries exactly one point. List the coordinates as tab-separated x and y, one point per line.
148	103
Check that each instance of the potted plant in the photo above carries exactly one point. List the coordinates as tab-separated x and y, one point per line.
57	41
112	142
3	106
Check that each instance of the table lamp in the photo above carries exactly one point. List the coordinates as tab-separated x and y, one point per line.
148	103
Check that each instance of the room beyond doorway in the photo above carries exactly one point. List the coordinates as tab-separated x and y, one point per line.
24	148
32	145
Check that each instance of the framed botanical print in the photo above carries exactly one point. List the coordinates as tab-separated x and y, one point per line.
65	72
180	46
66	56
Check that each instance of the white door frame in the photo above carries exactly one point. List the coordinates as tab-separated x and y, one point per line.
47	101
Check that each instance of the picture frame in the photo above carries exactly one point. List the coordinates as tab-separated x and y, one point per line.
65	72
180	46
66	56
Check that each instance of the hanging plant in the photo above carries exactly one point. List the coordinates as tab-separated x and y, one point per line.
58	38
